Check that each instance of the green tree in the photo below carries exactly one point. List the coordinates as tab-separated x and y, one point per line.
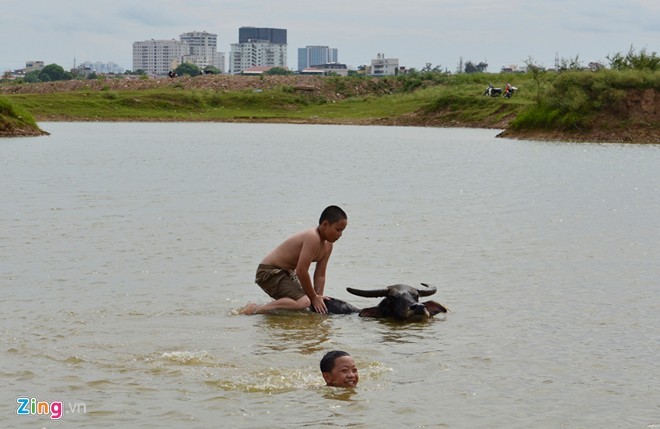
567	64
54	72
279	71
538	75
470	67
635	61
211	70
187	69
31	77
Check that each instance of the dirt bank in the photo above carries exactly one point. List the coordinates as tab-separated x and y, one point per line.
329	88
633	120
26	131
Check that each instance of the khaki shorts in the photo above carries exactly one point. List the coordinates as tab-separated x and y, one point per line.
278	283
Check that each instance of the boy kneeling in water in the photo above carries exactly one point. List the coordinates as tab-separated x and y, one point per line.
284	272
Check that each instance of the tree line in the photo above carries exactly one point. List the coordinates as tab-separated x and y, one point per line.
631	60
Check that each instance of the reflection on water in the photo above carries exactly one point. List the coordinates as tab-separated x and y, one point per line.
305	333
340	394
414	332
123	262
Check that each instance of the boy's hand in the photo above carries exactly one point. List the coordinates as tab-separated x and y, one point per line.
319	305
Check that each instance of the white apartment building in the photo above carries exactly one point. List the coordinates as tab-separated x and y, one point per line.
256	53
203	50
382	66
158	57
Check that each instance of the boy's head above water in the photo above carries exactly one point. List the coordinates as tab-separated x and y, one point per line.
332	214
332	223
339	370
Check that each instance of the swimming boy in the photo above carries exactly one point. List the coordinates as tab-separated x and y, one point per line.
284	272
339	370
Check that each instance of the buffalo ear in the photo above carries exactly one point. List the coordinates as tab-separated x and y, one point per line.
370	312
433	307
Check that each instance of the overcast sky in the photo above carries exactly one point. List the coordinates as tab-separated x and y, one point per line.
501	33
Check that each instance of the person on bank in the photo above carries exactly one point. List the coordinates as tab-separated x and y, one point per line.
339	370
284	273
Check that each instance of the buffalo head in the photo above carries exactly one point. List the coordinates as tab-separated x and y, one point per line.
401	302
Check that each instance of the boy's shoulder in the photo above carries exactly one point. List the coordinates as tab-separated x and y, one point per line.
306	233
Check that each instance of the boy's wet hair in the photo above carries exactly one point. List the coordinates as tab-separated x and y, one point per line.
332	214
328	361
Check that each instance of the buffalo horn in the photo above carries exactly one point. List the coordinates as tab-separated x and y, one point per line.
368	293
426	292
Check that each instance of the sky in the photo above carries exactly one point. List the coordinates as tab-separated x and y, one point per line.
417	32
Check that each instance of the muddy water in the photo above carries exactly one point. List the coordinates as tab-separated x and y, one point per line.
125	250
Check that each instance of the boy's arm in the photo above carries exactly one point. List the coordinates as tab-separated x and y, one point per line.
309	248
319	273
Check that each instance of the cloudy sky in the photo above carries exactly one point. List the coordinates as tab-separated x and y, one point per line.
440	32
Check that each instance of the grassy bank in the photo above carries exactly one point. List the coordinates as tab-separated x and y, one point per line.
16	121
415	100
604	106
564	106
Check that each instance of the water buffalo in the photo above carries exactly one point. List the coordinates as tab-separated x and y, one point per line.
401	302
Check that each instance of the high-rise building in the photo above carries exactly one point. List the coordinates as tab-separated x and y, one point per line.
315	55
158	57
258	47
273	35
203	50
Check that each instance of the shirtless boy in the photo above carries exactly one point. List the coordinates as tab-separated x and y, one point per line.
339	370
284	273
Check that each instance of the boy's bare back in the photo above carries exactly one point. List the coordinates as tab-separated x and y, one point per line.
306	246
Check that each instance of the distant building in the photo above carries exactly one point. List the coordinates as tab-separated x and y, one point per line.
33	66
311	56
312	71
257	70
258	47
99	67
203	50
382	66
273	35
158	57
326	69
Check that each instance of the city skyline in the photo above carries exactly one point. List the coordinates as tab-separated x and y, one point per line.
440	32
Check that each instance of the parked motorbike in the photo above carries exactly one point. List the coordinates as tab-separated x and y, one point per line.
492	91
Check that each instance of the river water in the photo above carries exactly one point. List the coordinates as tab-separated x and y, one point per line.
127	248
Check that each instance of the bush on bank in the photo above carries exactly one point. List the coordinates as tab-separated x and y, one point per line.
573	99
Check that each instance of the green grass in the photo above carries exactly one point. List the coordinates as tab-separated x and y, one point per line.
385	98
564	101
14	117
167	104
